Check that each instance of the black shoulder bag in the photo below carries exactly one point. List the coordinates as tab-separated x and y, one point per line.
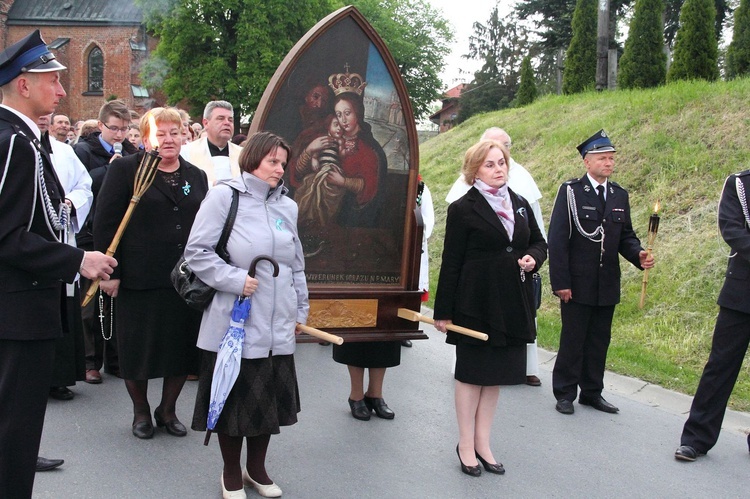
196	293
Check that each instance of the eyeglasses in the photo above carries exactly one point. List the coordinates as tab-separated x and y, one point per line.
115	129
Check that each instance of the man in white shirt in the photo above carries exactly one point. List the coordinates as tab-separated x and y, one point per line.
522	183
215	154
59	126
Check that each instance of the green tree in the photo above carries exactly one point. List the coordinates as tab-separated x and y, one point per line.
418	38
552	18
738	53
696	50
500	46
672	18
223	49
527	91
644	63
580	59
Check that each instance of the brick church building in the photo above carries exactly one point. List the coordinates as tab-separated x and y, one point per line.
102	42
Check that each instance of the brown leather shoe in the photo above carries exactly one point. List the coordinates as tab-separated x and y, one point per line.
533	380
93	377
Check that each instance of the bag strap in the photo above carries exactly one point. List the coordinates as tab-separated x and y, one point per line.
221	246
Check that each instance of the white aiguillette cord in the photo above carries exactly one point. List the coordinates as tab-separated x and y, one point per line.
111	315
591	236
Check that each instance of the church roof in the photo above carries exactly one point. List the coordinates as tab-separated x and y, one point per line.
74	12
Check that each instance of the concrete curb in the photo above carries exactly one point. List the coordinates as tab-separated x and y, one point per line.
653	395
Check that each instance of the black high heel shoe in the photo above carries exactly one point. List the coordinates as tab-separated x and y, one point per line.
469	470
380	407
359	410
496	468
174	426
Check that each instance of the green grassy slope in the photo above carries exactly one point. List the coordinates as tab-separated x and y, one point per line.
676	144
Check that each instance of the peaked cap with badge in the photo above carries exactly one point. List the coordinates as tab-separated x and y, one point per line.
597	143
28	55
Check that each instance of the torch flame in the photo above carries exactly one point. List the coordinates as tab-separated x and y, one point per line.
153	140
656	207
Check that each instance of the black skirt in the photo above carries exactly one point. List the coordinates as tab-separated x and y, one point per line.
368	354
264	397
156	334
485	365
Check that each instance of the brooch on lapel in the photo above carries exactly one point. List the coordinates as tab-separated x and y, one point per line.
521	211
611	190
586	188
186	188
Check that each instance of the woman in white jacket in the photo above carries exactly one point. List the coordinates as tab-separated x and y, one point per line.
265	395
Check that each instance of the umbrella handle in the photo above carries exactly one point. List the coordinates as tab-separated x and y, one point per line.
255	261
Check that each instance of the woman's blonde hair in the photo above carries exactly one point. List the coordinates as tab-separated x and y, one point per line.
161	115
476	155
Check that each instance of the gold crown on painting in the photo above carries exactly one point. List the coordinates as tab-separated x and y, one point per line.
346	82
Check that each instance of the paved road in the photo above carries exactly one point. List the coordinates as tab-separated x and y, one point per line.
328	454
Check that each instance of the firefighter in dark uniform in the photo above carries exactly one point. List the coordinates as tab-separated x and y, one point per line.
589	226
33	259
732	329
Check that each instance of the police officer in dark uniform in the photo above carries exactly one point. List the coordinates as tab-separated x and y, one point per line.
33	260
589	226
732	329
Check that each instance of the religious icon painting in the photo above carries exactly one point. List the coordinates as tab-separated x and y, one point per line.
340	102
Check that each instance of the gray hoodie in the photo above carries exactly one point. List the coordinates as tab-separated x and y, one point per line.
266	224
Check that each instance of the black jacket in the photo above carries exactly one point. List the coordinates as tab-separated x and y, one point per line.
735	229
576	262
93	155
159	227
32	262
480	283
96	159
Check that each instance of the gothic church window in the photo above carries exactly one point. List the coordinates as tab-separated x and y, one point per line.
96	70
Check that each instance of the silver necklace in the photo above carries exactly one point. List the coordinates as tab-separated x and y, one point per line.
111	315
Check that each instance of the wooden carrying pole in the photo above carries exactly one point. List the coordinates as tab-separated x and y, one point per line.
143	179
411	315
321	335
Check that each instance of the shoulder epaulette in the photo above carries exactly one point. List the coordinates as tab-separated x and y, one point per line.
571	181
742	173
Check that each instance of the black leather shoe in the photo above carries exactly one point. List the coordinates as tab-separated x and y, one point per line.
143	429
469	470
44	464
174	426
687	453
61	393
496	468
406	343
564	406
599	404
359	410
380	407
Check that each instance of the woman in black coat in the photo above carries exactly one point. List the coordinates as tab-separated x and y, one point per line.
492	247
156	330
